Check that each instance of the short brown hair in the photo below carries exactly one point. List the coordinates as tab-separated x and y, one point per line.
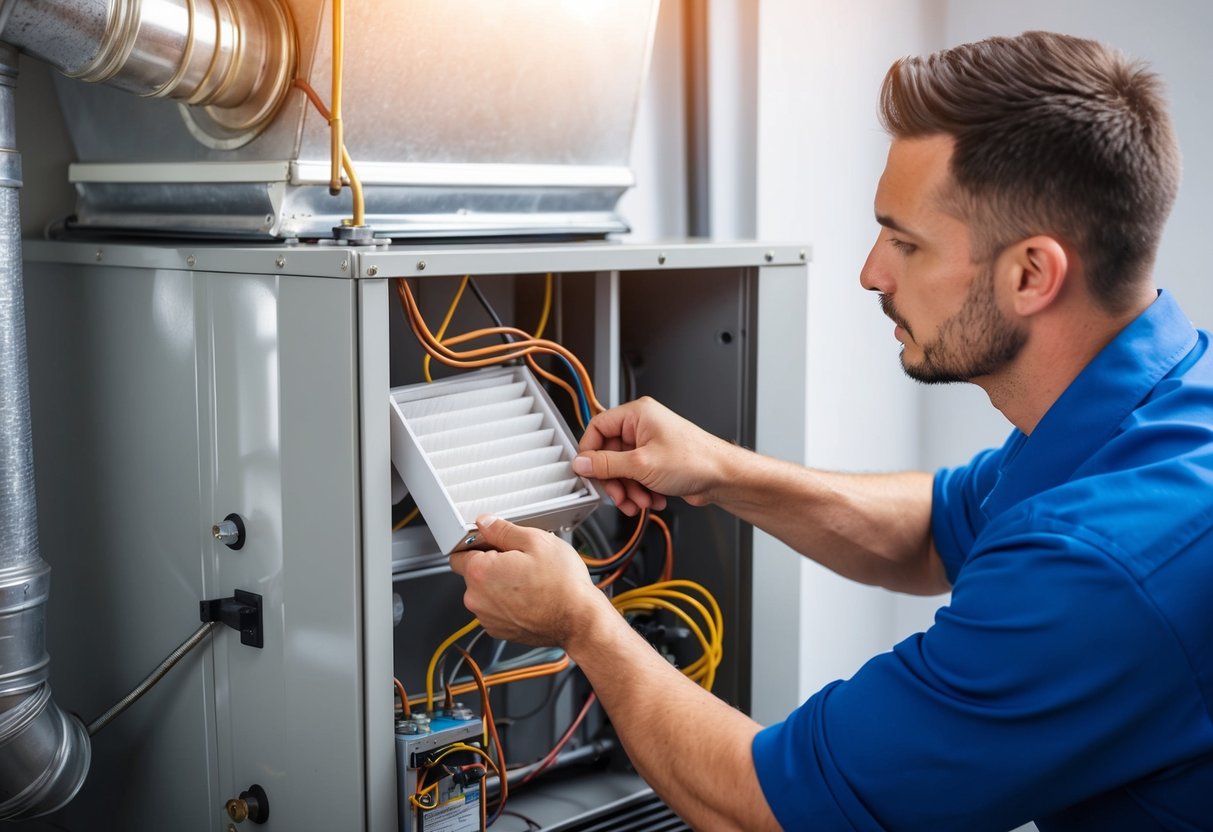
1053	135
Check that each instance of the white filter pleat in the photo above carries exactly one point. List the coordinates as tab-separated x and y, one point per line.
489	466
484	414
513	482
495	449
503	503
490	442
465	394
480	433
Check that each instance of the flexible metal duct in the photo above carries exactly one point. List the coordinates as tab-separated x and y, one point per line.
44	753
233	58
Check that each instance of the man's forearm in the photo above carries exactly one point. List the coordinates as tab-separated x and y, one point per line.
872	528
692	748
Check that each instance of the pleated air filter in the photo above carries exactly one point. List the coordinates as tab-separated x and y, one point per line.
488	441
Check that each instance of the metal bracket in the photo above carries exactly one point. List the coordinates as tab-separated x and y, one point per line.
240	612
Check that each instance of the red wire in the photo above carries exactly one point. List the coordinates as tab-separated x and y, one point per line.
568	735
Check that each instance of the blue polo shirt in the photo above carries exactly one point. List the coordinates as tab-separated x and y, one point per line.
1070	679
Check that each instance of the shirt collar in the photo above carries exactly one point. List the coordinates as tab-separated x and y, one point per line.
1091	409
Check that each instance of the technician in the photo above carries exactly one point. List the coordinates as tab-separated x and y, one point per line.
1070	679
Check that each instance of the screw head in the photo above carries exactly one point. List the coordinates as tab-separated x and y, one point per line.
280	261
769	256
345	264
661	259
371	271
803	254
98	255
191	261
420	265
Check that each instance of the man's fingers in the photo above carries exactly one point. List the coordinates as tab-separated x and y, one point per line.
504	535
463	562
604	465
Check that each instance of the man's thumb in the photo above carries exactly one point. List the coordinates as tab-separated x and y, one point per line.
497	533
602	465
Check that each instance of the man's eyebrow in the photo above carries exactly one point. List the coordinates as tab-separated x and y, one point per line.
892	224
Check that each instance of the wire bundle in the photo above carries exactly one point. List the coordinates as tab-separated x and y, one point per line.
686	601
670	597
536	671
425	797
525	347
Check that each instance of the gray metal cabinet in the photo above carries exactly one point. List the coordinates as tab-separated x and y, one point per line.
174	384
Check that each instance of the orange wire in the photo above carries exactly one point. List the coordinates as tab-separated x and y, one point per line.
623	567
559	382
667	571
507	676
632	541
313	96
490	725
497	353
405	709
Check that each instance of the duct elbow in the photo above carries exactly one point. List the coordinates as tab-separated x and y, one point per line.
231	62
46	755
44	752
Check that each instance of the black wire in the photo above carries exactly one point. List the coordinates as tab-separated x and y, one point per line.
549	699
591	532
488	307
629	376
530	823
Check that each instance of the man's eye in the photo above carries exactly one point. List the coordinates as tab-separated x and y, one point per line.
902	246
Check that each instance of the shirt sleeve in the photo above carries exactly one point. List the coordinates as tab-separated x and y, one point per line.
1048	679
957	496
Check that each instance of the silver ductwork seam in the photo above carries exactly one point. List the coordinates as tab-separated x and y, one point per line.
44	753
233	61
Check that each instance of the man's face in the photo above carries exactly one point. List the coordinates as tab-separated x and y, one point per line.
945	306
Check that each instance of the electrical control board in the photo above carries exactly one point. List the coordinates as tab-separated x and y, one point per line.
435	754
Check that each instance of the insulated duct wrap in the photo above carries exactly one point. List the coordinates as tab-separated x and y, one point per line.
44	753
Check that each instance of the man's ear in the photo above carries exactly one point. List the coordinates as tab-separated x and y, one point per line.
1034	273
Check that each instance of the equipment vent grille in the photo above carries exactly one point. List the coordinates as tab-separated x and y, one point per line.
644	813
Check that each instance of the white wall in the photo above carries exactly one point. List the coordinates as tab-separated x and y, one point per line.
820	153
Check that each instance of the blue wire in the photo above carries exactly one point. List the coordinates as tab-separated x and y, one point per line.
582	400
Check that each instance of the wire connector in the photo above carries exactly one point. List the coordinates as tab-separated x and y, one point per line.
240	612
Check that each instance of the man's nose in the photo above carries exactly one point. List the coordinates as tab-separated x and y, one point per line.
874	276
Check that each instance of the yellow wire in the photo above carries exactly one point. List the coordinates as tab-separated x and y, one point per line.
451	749
547	307
429	671
709	650
335	130
446	322
338	155
355	189
406	519
662	595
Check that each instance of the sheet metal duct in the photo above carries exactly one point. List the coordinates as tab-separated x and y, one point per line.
463	118
44	753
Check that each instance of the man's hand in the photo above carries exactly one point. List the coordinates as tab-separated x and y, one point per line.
643	452
530	587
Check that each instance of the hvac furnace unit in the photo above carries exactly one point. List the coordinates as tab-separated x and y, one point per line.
221	381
